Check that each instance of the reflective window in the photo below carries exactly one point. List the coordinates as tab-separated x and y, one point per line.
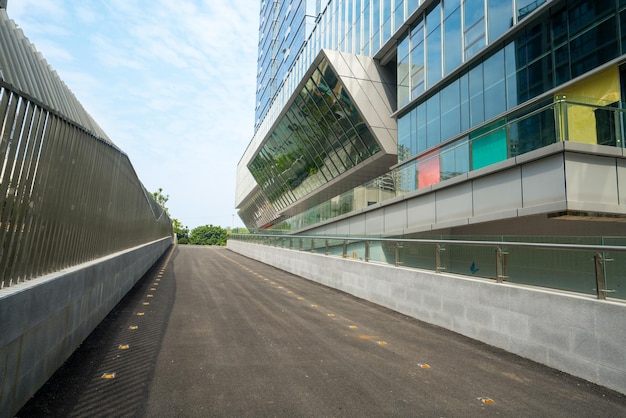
404	138
320	136
511	76
594	47
433	124
433	46
422	145
417	60
403	72
451	111
495	91
477	111
455	159
386	20
452	39
398	14
474	26
375	10
499	13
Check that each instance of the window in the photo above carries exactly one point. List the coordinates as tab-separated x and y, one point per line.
433	46
500	17
474	27
452	40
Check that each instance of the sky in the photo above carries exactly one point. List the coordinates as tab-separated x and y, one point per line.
172	83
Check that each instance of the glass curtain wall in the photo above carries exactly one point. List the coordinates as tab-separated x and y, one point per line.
571	41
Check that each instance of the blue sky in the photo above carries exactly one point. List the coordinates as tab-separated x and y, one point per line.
172	83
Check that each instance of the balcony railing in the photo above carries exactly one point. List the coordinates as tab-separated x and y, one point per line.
565	119
591	269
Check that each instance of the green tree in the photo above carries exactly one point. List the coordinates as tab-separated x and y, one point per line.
182	232
162	199
208	235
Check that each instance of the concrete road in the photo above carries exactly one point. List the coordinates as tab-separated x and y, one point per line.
208	332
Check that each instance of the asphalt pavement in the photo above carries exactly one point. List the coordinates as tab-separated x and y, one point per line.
210	333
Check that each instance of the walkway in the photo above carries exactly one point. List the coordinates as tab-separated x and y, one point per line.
208	332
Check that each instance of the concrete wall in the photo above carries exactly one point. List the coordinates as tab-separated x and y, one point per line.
573	333
44	320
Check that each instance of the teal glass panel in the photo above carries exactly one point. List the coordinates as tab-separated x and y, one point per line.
488	145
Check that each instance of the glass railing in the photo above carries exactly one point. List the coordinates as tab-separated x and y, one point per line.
586	268
566	119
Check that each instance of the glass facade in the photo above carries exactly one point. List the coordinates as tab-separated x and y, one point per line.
553	50
321	136
476	83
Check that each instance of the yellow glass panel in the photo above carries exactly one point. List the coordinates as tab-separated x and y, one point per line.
598	90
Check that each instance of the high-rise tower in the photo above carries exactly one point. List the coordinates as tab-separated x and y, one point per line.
447	117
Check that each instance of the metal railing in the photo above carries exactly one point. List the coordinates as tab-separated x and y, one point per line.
598	270
67	193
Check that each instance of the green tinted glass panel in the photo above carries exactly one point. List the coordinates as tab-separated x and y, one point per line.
488	146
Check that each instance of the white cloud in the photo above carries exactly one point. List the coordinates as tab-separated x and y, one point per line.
171	83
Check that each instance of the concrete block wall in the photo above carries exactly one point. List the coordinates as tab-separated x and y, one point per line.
44	320
576	334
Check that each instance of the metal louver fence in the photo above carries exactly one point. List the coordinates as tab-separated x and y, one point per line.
66	196
67	193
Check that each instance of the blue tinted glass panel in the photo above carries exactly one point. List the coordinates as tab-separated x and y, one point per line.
500	17
452	41
404	138
433	46
451	111
455	159
403	72
495	91
433	124
477	109
474	26
421	128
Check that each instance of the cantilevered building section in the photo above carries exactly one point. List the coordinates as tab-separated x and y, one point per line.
453	117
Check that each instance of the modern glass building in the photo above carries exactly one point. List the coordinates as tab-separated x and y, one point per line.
448	117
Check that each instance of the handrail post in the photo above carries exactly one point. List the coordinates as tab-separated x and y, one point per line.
301	244
367	251
438	249
326	247
291	243
501	259
312	245
397	254
344	253
600	276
